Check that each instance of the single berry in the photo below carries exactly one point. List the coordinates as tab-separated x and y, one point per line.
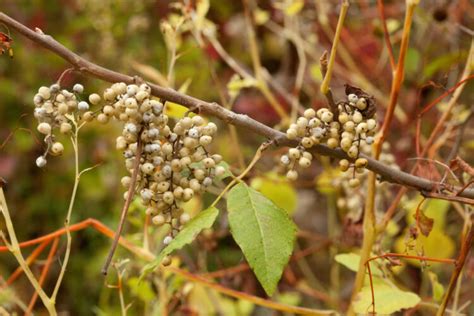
41	161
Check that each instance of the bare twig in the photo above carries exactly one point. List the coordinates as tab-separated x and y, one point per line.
463	255
380	7
126	205
324	69
332	58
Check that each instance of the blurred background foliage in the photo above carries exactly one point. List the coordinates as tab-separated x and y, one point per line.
126	36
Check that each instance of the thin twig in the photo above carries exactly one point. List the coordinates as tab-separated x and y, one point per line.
380	7
244	296
463	255
29	260
126	205
99	226
44	273
323	61
332	58
255	159
77	176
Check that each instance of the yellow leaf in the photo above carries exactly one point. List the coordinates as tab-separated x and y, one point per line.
436	245
150	73
433	208
437	288
261	16
277	189
294	7
236	83
388	299
315	71
325	181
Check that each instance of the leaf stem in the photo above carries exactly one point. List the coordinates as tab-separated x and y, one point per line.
255	159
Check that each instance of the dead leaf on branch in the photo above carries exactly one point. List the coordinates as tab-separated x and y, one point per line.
424	223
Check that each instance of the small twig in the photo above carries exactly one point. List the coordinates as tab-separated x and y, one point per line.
466	246
63	74
244	296
327	78
44	273
75	144
257	64
452	198
123	216
459	137
255	159
29	260
324	69
380	7
99	226
464	187
371	287
456	90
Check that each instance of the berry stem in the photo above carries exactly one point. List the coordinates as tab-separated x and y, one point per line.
67	223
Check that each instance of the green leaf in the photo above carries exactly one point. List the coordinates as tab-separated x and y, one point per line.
263	231
437	245
351	261
142	290
388	299
277	189
438	289
412	61
443	62
203	220
236	83
315	72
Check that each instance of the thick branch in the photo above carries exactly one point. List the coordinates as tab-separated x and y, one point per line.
387	173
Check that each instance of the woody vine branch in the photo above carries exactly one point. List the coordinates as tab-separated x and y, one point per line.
214	109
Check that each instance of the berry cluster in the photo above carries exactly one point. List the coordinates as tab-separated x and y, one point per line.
352	178
355	127
174	163
53	106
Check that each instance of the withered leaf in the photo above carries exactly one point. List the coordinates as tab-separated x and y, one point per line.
424	223
371	106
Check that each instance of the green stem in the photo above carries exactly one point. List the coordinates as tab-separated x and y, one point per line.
332	57
69	213
16	251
